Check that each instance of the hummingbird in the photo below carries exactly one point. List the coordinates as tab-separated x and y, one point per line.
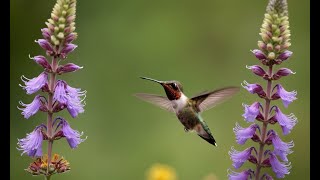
187	109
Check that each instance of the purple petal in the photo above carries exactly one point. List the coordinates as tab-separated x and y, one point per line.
32	108
259	54
46	33
72	136
45	44
251	112
68	48
253	88
239	157
70	38
243	134
34	84
42	61
70	67
287	97
279	168
287	122
60	93
285	55
281	148
75	106
266	177
244	175
258	70
32	144
282	72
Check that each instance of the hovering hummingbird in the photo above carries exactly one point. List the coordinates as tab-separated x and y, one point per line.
188	109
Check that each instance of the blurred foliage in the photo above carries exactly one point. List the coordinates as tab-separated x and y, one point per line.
204	44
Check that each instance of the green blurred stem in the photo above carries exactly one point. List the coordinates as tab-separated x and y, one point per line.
52	84
47	177
264	127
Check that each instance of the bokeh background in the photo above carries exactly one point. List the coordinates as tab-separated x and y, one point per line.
204	44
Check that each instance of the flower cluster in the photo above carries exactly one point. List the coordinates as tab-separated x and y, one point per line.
59	95
272	151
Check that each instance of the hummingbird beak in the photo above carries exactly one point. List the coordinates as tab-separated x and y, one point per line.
160	82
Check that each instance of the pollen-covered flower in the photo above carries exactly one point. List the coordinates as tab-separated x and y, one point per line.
35	84
72	136
287	97
282	149
32	144
244	175
39	166
161	172
32	108
251	112
243	134
281	169
239	157
287	122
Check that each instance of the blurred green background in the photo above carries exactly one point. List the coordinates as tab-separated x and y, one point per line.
204	44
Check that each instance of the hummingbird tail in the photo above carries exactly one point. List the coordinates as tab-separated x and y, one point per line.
209	140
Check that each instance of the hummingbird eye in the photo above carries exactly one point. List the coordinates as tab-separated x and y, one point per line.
174	86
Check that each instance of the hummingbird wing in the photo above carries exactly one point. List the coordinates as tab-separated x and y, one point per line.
207	100
160	101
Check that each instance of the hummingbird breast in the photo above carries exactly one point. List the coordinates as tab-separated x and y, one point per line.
188	117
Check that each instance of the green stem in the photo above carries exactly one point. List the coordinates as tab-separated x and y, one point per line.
47	177
265	125
52	84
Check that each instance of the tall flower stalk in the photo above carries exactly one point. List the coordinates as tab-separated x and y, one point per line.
58	95
271	151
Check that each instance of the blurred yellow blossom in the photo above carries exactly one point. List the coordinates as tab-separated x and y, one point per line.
210	177
161	172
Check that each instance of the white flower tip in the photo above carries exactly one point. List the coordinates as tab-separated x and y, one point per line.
30	57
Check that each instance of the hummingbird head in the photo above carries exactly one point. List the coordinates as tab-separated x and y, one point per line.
173	88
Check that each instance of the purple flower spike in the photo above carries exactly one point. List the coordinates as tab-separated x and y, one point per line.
251	112
285	55
34	84
70	67
32	144
72	136
45	45
281	148
287	122
259	54
243	134
67	49
244	175
258	70
287	97
60	94
279	168
253	88
42	61
32	108
238	157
